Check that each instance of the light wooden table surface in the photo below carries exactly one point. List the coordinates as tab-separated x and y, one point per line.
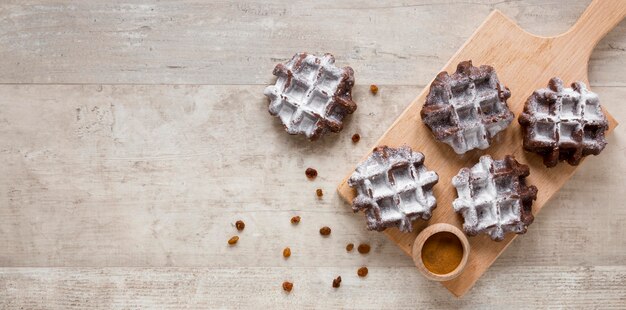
133	134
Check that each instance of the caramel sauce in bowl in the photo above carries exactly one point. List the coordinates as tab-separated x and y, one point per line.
440	252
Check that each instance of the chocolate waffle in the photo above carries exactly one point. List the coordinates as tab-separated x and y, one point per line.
394	188
493	197
468	108
311	95
563	123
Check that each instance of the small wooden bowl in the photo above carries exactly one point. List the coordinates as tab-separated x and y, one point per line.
421	240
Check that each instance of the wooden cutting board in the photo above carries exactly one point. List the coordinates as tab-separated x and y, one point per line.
523	62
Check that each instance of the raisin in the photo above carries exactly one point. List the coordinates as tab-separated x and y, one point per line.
356	138
287	286
286	252
295	219
319	192
337	282
374	89
349	247
363	248
362	272
233	240
240	225
325	231
310	173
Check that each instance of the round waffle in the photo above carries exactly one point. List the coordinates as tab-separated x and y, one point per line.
563	123
394	188
311	95
468	108
493	197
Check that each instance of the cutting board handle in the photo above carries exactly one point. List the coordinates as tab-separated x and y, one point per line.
598	19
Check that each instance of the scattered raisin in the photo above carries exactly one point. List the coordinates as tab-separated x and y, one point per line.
362	272
233	240
349	247
319	192
286	252
325	231
363	248
295	219
337	282
356	137
287	286
310	173
374	89
240	225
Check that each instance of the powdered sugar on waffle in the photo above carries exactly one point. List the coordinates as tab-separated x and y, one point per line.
563	123
468	108
311	95
394	188
493	197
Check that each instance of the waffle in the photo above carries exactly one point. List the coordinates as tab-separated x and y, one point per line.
468	108
394	188
563	123
493	197
311	95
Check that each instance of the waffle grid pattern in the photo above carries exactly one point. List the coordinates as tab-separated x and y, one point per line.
311	95
493	197
563	123
466	109
394	188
